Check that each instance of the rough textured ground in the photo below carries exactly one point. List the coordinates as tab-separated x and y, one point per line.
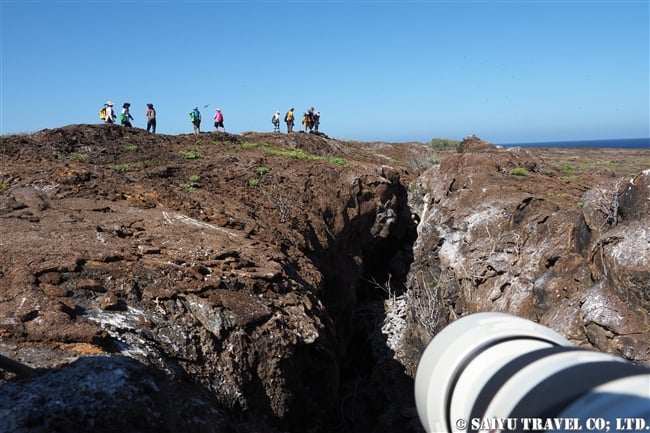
289	282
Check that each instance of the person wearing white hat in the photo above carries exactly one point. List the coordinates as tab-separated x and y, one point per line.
276	121
218	120
110	114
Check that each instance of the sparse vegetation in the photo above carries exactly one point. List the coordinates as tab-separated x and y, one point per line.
131	147
293	153
340	161
120	167
188	186
262	170
253	182
282	201
519	171
300	154
3	185
81	157
567	169
443	144
249	145
190	154
195	178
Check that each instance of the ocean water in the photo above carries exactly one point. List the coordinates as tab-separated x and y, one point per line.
623	143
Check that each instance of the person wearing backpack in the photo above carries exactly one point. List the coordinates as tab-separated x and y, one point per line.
276	121
288	119
218	120
306	121
110	114
316	121
102	113
151	118
195	118
125	117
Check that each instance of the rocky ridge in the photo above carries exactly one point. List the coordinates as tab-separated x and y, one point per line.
288	282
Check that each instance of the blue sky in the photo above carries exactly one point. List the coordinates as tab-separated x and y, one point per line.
507	71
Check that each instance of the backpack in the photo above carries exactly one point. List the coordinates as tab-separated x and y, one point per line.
151	114
193	115
102	113
219	117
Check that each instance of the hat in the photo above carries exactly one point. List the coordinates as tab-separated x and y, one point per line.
196	108
110	103
218	109
126	104
150	105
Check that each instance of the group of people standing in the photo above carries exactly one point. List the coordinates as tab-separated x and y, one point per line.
310	120
107	114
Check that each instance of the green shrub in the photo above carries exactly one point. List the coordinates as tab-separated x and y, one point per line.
187	186
519	171
131	147
293	153
81	157
120	167
340	161
3	185
253	182
443	144
190	154
262	170
195	178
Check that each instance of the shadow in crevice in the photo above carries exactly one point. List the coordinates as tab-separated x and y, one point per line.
376	392
362	273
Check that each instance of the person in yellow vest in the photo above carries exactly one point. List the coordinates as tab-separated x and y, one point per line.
288	119
306	121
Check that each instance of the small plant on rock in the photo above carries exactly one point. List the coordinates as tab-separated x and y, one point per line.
188	186
190	154
81	157
340	161
120	167
519	171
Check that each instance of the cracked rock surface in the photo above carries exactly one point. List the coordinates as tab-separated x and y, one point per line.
288	283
